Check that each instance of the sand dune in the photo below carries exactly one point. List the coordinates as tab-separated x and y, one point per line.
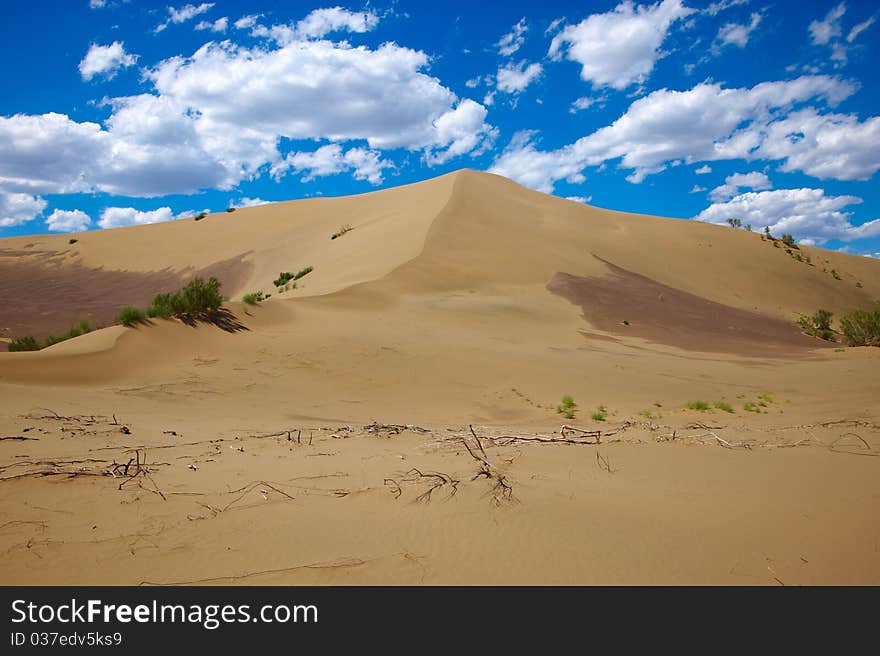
466	299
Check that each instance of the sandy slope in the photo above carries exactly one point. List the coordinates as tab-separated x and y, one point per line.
435	311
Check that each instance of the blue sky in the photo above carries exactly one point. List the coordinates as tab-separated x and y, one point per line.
120	112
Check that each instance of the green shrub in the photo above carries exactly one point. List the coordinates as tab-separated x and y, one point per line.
567	407
200	216
600	414
131	315
721	405
283	278
198	298
835	275
230	209
751	406
24	344
72	241
253	298
789	241
861	327
818	325
303	272
698	405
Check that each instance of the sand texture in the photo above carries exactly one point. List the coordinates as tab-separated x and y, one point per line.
393	419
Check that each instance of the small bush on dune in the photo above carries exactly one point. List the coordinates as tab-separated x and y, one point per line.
303	272
72	241
131	315
567	407
198	298
253	298
342	230
24	344
698	405
601	414
818	325
722	405
861	327
283	278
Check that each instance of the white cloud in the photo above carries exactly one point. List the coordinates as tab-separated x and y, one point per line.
514	78
716	8
858	29
582	103
580	199
68	221
118	217
330	160
808	214
97	4
696	189
16	208
183	14
709	123
321	22
829	32
216	118
703	170
619	48
248	202
513	40
247	22
738	34
823	31
105	61
733	183
219	25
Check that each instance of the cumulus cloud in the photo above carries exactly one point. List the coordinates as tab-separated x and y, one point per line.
733	183
619	48
97	4
514	78
331	159
105	61
68	221
316	25
219	25
513	40
248	202
119	217
216	118
703	170
710	123
808	214
183	14
738	34
16	208
321	22
247	22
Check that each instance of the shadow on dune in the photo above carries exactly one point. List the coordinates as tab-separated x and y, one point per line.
224	319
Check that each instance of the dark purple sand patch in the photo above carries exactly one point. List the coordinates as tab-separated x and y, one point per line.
669	316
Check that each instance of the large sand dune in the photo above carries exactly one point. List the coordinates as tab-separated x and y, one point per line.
463	300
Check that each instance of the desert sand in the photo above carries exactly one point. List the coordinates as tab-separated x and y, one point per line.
393	419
